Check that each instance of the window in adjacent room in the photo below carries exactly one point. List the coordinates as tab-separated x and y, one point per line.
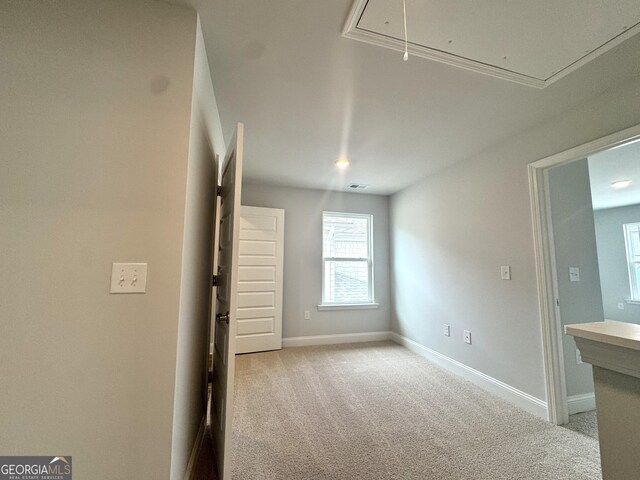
347	259
632	241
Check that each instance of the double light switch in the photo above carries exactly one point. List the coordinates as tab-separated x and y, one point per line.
129	278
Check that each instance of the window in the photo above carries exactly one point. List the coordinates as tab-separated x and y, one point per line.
632	241
347	259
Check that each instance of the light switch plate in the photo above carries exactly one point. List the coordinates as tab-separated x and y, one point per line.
505	272
129	278
467	337
446	330
574	274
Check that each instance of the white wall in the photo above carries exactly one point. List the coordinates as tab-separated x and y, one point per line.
96	108
303	257
612	258
205	141
453	230
574	241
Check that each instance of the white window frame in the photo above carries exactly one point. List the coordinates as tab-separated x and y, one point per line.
634	280
370	302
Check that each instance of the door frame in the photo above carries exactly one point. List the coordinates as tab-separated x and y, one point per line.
557	409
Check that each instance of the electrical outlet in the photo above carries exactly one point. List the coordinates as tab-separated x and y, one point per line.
446	330
574	274
578	357
467	337
129	278
505	272
307	315
620	306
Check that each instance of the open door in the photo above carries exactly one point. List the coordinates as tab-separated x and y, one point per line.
260	280
225	304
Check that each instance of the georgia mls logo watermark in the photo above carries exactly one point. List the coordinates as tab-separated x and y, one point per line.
35	468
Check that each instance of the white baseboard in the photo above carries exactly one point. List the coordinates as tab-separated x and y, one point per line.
512	395
581	403
195	450
335	339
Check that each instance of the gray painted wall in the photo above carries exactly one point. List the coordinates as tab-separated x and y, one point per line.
575	246
612	256
453	230
303	257
96	107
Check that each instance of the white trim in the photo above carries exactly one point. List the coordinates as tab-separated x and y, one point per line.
550	323
347	306
511	394
335	339
351	30
545	272
581	403
582	151
195	450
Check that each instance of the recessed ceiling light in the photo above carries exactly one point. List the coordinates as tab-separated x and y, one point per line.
618	184
342	163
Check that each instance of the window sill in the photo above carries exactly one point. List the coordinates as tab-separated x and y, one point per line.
632	301
347	306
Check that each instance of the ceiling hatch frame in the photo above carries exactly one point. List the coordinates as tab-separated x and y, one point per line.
352	31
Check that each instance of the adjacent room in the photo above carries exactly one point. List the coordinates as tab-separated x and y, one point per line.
343	239
593	202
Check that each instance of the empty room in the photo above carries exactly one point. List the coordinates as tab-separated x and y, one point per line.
337	239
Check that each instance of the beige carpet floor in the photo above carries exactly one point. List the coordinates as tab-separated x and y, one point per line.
377	411
585	423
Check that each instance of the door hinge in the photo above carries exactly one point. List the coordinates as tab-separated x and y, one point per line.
214	280
219	190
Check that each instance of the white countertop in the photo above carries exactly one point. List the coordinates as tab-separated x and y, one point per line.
610	332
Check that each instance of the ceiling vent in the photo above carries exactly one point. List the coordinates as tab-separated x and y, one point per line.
358	186
531	43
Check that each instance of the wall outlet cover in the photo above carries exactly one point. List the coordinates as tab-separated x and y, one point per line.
467	337
446	330
574	274
505	272
128	278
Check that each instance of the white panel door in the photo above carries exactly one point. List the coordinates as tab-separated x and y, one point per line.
225	304
260	279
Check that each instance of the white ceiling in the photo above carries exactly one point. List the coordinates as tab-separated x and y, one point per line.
621	163
534	43
308	95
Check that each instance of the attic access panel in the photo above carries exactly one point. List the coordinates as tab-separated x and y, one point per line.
533	43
